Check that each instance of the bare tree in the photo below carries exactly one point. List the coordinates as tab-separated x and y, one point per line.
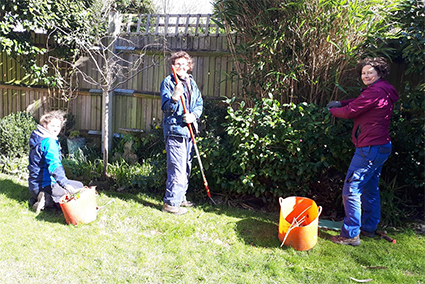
96	47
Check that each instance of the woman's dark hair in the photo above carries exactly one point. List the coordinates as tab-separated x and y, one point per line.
182	54
378	63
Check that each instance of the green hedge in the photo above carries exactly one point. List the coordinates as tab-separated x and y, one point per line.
15	131
273	150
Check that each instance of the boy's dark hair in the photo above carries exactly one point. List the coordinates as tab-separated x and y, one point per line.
48	117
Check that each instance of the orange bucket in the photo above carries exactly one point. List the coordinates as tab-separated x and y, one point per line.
298	222
81	208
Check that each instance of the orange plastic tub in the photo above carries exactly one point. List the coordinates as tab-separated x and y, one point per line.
81	208
298	222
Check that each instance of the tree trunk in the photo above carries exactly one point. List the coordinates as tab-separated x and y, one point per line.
106	129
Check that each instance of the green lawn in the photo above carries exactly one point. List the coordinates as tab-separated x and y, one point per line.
132	241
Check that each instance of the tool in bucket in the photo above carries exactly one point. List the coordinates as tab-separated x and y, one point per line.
298	222
295	223
189	125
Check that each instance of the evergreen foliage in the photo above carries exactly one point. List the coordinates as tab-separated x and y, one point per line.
15	131
302	51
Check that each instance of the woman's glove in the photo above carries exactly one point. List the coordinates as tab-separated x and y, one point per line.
189	118
333	104
178	92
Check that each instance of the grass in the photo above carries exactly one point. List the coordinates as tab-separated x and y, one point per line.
132	241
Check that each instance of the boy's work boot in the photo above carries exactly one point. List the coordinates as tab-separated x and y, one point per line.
346	241
41	202
187	204
177	210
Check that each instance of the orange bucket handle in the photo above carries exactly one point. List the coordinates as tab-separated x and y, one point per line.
280	201
319	211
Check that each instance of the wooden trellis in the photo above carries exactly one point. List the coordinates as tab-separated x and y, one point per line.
170	25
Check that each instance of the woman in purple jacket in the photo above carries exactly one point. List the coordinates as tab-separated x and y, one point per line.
371	112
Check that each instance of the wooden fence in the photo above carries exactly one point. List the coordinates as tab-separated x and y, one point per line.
137	104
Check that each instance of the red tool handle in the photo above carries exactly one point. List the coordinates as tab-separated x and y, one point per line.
175	74
389	239
385	237
184	105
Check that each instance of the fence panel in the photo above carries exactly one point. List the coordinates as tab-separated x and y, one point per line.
156	37
14	99
138	110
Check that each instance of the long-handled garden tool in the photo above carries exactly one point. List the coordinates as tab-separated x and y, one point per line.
189	125
296	222
383	235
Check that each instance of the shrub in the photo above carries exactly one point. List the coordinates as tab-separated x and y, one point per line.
301	50
15	132
147	176
145	146
274	150
403	175
83	167
14	166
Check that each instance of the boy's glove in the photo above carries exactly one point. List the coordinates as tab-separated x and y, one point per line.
71	189
189	118
333	104
178	92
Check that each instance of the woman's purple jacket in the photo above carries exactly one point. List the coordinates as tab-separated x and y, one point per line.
371	112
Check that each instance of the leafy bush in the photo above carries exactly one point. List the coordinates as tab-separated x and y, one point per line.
145	146
14	166
408	138
15	132
403	175
147	176
274	150
411	21
83	167
149	172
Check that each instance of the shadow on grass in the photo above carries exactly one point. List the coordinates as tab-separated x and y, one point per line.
265	234
134	197
258	233
52	215
14	190
20	193
323	234
255	228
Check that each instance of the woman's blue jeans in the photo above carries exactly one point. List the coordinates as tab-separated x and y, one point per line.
360	194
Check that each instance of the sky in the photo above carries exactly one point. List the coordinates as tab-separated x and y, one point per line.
183	6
